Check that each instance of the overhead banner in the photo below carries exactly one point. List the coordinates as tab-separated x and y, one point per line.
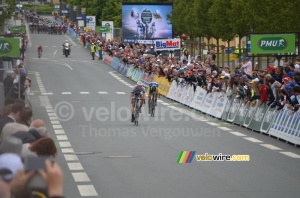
272	43
109	24
146	21
91	22
10	47
103	29
167	44
17	29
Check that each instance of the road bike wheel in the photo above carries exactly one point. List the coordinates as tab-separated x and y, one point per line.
152	106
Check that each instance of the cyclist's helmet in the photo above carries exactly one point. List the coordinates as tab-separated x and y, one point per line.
67	41
139	83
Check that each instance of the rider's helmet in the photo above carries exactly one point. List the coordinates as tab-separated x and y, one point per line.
139	85
67	41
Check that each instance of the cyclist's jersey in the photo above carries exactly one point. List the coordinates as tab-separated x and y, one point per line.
136	92
153	87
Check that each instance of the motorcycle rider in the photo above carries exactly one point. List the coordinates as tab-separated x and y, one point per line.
66	44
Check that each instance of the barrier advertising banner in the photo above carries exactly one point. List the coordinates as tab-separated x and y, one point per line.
172	90
272	43
241	114
167	44
236	103
250	114
198	98
267	119
208	102
91	22
219	106
259	115
227	107
130	71
10	47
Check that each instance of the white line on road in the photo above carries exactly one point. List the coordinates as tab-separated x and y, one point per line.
59	131
67	150
54	46
290	154
55	122
61	137
75	166
253	140
49	110
71	157
238	134
71	40
51	114
53	118
54	52
102	92
47	94
212	123
225	128
58	126
66	93
64	144
81	177
120	93
270	146
84	92
87	190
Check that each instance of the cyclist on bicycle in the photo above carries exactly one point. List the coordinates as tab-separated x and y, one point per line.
138	91
153	90
40	50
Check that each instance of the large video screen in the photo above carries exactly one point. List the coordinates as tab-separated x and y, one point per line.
146	21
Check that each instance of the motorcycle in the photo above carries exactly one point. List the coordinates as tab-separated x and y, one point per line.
67	49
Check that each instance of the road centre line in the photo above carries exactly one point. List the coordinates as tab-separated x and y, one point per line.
251	139
290	154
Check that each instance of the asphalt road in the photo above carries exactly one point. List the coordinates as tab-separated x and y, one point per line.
116	159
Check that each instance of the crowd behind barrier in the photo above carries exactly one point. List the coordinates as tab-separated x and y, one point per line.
283	124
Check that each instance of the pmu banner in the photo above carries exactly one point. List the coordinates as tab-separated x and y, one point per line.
272	43
208	102
241	114
115	62
167	44
172	90
10	47
258	118
130	71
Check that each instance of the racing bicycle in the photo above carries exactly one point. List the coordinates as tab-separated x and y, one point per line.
152	105
137	111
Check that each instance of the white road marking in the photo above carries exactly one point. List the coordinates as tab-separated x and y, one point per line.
160	101
32	94
46	46
65	144
102	92
54	122
84	92
120	156
54	46
238	134
67	150
87	190
270	146
70	157
75	166
58	126
212	123
59	131
54	52
253	140
290	154
66	93
81	177
164	103
66	64
225	128
47	94
71	40
61	137
49	110
120	93
131	86
53	118
51	114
